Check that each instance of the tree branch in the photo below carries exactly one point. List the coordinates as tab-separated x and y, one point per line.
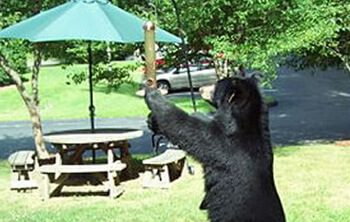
18	81
35	75
31	105
343	58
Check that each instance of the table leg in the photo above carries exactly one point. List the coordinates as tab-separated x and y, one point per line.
110	157
46	192
59	184
58	163
114	187
126	158
78	154
111	182
45	187
93	156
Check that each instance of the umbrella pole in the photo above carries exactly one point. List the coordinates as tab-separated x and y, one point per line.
91	107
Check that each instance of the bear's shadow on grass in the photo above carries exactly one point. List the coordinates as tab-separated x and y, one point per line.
82	194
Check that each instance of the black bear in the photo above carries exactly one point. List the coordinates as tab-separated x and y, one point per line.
234	148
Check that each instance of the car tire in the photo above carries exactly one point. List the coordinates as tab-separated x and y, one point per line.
163	85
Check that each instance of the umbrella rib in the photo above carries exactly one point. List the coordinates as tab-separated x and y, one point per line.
61	15
105	18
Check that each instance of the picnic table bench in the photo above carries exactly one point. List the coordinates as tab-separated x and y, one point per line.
22	164
62	171
161	170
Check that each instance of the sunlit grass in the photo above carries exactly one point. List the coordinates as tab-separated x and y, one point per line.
62	99
313	183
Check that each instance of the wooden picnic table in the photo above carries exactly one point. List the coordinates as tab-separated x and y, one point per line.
72	144
82	140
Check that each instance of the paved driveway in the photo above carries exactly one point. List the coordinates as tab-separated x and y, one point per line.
311	107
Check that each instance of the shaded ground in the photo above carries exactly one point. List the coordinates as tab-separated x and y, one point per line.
312	107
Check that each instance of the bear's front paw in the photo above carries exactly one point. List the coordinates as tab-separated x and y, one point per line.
153	124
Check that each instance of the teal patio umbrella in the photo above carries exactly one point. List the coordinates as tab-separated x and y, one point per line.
92	20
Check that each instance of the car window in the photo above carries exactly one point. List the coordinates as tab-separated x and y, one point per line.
184	70
205	66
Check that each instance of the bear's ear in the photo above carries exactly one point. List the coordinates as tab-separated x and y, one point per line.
256	77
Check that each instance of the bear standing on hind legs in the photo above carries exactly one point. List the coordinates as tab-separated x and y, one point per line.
234	148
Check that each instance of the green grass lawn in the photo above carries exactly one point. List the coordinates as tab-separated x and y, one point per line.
62	101
313	183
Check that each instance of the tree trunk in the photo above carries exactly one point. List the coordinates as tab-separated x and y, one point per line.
35	110
37	6
38	133
31	105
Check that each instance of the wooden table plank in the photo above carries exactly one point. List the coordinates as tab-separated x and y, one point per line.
88	137
87	168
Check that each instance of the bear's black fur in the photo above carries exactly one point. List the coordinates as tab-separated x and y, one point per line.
234	148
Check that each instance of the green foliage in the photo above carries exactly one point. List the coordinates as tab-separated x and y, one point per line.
70	52
333	49
260	34
15	50
113	75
